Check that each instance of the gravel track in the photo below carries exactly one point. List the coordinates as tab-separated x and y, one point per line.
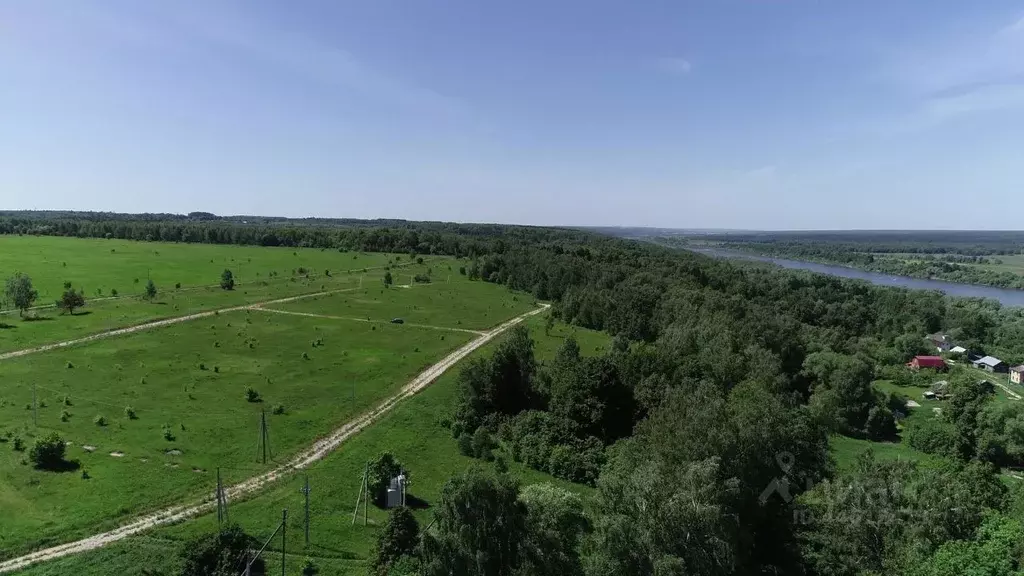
317	451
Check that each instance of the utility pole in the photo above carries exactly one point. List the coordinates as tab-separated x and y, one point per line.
222	501
366	486
284	530
305	491
263	444
35	407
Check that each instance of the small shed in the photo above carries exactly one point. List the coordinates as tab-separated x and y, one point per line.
938	391
991	364
933	362
396	492
1017	374
958	350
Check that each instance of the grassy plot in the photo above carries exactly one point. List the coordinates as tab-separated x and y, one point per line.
48	326
186	384
458	304
412	431
97	266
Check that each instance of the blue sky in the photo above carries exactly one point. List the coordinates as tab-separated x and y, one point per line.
768	114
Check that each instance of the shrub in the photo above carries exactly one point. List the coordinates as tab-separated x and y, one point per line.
67	401
18	444
216	369
227	280
309	568
70	365
278	409
129	413
932	436
99	421
381	471
466	445
65	416
305	356
113	292
482	444
177	285
202	366
251	395
48	452
462	270
421	278
168	435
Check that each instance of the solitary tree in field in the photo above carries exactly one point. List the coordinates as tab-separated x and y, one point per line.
387	278
150	290
48	452
71	299
20	293
227	280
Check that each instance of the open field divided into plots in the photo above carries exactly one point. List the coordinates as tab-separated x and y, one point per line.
412	430
150	415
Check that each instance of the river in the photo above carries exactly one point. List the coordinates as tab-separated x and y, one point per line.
1005	296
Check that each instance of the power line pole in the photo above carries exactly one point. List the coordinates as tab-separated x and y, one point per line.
284	530
35	407
366	495
305	491
263	444
222	501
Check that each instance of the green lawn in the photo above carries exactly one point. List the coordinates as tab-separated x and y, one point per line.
458	303
94	264
412	431
190	377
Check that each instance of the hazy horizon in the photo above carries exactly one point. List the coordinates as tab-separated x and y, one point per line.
688	115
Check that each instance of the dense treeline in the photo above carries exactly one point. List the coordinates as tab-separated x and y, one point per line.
704	428
966	242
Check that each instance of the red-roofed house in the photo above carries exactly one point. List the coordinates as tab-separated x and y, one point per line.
933	362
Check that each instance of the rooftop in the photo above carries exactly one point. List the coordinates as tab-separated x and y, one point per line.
988	361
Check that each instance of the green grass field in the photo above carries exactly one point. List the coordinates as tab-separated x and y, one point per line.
189	378
459	304
101	265
412	431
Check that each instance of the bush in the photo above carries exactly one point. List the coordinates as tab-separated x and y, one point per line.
421	278
278	409
113	292
99	421
932	436
222	552
251	395
177	285
168	435
381	471
309	568
462	270
129	413
65	416
48	452
466	444
483	444
67	401
17	444
880	424
227	280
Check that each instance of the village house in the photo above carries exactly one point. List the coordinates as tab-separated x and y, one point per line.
1017	374
933	362
941	342
991	364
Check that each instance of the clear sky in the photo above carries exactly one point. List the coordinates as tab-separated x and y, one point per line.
766	114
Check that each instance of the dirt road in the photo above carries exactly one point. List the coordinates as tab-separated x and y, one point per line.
317	451
161	323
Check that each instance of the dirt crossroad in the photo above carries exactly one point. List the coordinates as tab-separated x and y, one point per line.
317	451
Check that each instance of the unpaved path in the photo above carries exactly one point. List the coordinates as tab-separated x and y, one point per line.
317	451
367	320
238	285
160	323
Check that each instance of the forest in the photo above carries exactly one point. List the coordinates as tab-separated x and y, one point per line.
704	430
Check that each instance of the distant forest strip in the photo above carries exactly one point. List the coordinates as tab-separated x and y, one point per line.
955	261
